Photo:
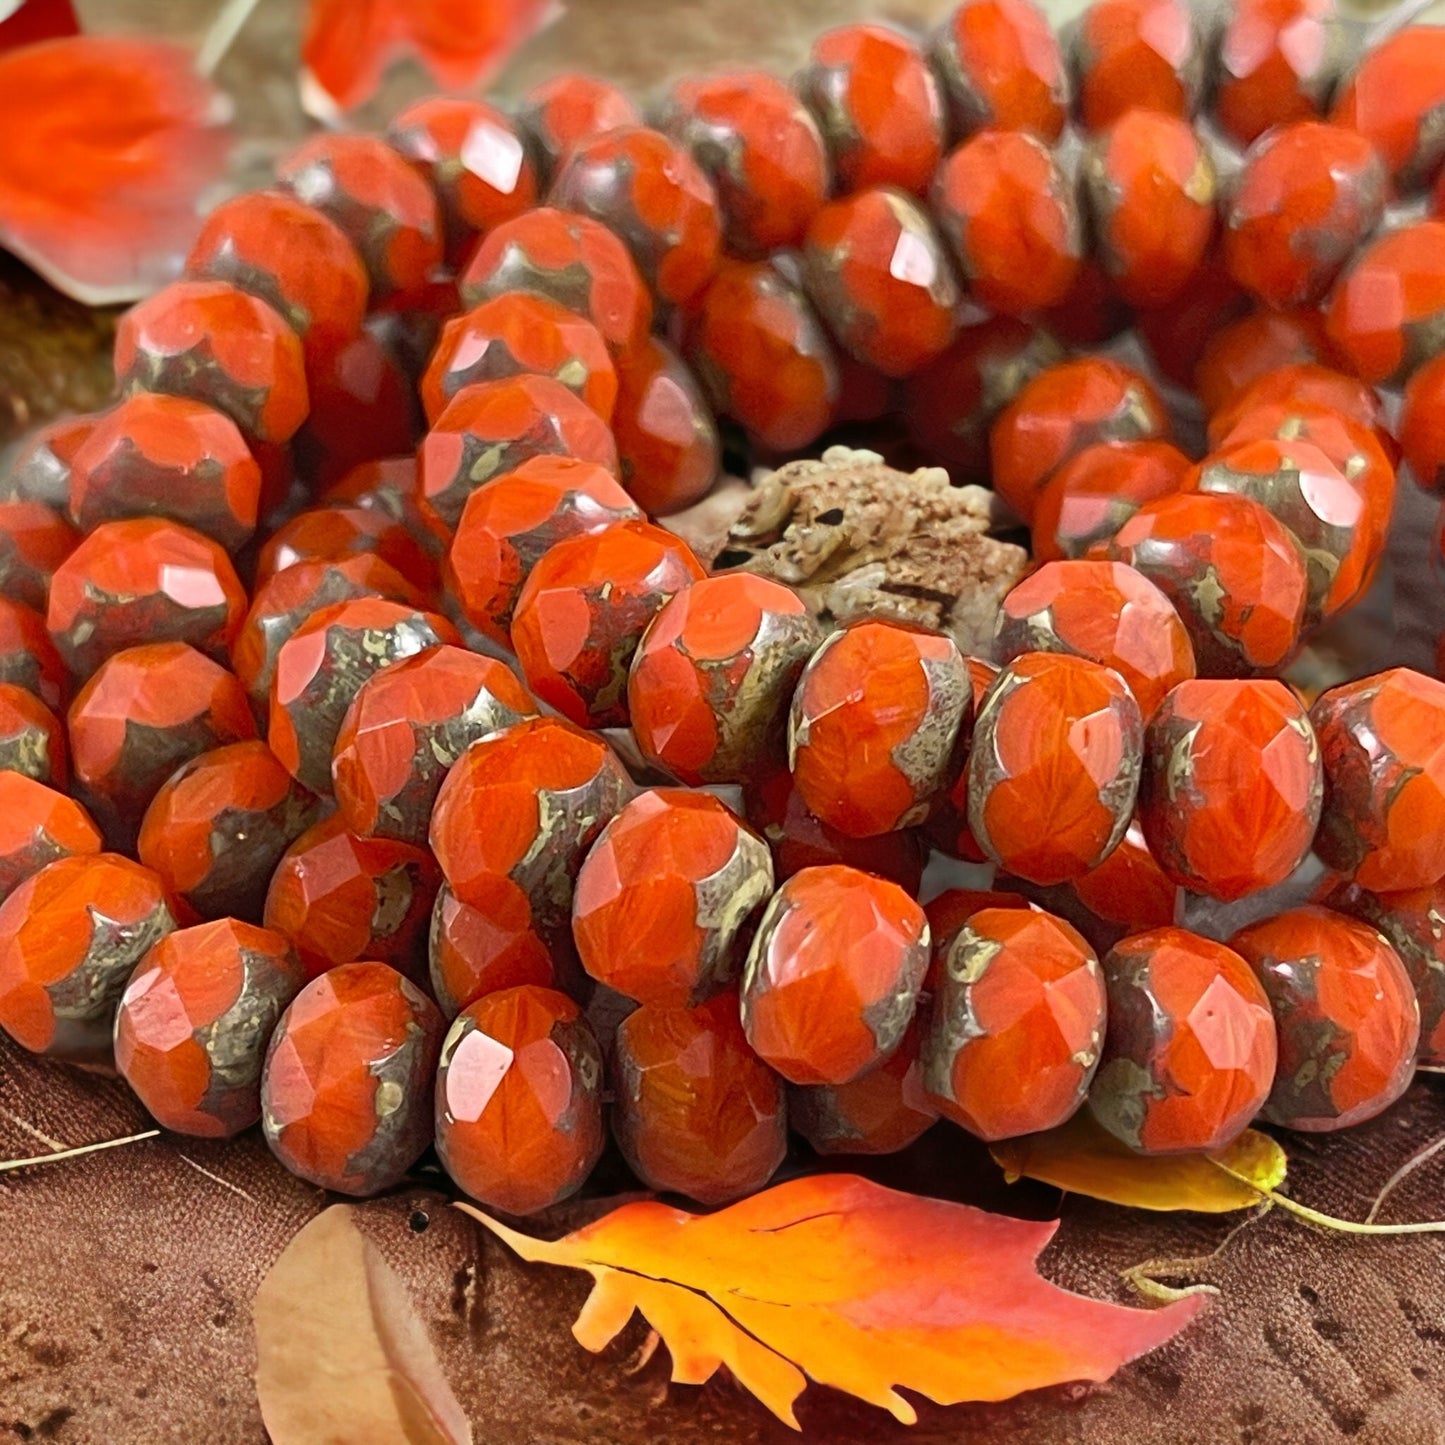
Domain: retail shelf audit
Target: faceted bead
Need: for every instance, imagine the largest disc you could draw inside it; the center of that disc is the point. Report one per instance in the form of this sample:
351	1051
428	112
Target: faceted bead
950	404
69	937
763	355
1421	427
34	540
28	658
388	486
476	160
1055	766
218	826
521	335
194	1022
799	839
1232	785
291	256
713	678
1189	1055
695	1111
1097	490
346	1093
572	260
1059	412
647	188
1396	100
879	106
667	441
1009	213
1106	612
41	469
877	270
331	533
1246	350
880	1113
583	609
405	728
1017	1024
339	898
493	427
761	149
1144	54
1382	741
473	951
1413	923
168	456
1308	195
833	974
946	827
1129	889
1277	62
32	739
519	1100
517	814
1307	391
1150	184
1234	573
875	724
666	896
1002	67
1177	333
143	580
1348	1020
295	595
212	342
37	826
146	711
572	108
1387	314
373	194
322	665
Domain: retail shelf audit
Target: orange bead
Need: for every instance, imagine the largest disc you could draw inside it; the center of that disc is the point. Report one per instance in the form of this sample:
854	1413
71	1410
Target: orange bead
1278	62
1129	889
1307	390
37	826
40	471
34	540
1422	425
1144	54
32	738
28	658
946	826
331	533
472	951
1395	99
571	108
1245	350
1177	333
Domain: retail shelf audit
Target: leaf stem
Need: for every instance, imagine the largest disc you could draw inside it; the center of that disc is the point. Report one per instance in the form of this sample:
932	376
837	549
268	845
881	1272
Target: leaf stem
1328	1221
6	1165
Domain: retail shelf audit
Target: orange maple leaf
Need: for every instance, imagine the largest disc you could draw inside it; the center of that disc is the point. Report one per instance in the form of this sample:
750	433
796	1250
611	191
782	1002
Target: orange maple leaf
839	1280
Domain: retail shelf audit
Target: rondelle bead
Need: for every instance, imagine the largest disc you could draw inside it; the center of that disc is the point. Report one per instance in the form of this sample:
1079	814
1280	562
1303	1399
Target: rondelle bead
1054	768
647	188
833	974
1190	1049
38	825
321	667
143	580
1129	891
34	540
572	108
875	724
695	1111
346	1094
1136	54
340	898
1176	334
881	1112
331	533
1017	1024
472	951
32	738
405	728
387	486
1421	426
28	658
194	1022
713	677
1277	61
70	935
946	826
1305	396
1233	571
887	314
387	211
218	826
1347	1017
1395	99
518	1100
1382	742
1002	67
1104	611
213	342
1246	350
518	812
146	711
879	106
1232	785
493	427
666	895
40	471
583	609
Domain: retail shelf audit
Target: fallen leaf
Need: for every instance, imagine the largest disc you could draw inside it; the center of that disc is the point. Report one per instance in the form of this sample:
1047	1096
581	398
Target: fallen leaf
1085	1158
836	1279
105	146
341	1354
